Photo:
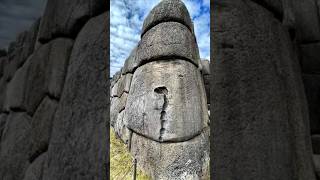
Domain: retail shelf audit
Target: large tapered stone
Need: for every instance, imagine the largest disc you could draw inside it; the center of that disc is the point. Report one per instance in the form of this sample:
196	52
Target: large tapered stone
168	10
169	39
167	101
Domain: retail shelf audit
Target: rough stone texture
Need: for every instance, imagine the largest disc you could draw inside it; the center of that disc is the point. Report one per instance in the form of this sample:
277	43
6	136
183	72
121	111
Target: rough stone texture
307	20
258	107
15	146
78	141
184	160
117	105
315	143
166	101
35	170
169	39
274	6
58	65
3	63
44	72
15	94
316	160
3	91
168	10
41	125
65	18
124	84
310	62
312	90
121	129
205	67
131	63
3	120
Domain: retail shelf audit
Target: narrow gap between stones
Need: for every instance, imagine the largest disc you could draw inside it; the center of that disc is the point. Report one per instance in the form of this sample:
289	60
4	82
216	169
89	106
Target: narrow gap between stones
164	20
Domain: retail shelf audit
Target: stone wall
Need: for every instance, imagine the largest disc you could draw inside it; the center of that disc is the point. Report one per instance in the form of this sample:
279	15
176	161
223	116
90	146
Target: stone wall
158	99
265	65
53	95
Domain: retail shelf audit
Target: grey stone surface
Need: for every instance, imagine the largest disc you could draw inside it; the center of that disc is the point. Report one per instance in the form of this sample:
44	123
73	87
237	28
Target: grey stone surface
167	101
65	18
205	67
124	84
307	20
274	6
3	92
168	10
35	170
117	105
15	94
315	143
310	62
41	125
132	62
316	160
169	39
15	146
120	127
78	143
3	63
258	107
58	65
312	90
184	160
3	120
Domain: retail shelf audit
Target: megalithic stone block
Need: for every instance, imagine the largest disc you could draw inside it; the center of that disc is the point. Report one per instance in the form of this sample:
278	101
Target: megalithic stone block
167	101
35	170
65	18
15	146
182	160
168	39
168	10
259	114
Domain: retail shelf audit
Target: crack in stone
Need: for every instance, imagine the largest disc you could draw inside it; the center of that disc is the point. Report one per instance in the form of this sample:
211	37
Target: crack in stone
163	91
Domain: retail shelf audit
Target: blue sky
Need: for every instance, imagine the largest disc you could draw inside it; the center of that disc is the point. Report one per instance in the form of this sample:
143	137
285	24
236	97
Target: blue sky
126	19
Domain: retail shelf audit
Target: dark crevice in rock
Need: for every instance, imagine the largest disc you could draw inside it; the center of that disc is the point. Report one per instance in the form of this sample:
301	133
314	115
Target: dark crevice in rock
309	42
17	109
163	91
173	141
169	19
40	151
130	139
276	14
164	58
51	97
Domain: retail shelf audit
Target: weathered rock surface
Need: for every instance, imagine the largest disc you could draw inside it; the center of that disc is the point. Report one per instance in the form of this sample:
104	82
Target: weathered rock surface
15	146
316	160
41	125
306	20
44	72
166	101
120	127
312	90
184	160
310	58
165	11
205	67
3	120
258	107
78	148
117	105
3	91
65	18
274	6
35	170
58	65
315	143
169	39
131	63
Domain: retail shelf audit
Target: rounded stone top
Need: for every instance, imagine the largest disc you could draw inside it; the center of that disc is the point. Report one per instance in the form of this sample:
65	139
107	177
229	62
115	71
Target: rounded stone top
167	10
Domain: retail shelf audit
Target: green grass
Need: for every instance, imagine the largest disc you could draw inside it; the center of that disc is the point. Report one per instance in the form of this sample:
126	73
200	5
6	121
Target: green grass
121	161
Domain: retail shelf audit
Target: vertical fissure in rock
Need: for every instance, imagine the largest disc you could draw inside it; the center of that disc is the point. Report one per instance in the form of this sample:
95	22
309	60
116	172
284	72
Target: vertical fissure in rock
163	91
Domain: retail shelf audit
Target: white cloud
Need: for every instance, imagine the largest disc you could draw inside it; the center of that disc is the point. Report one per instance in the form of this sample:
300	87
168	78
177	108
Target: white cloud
126	19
